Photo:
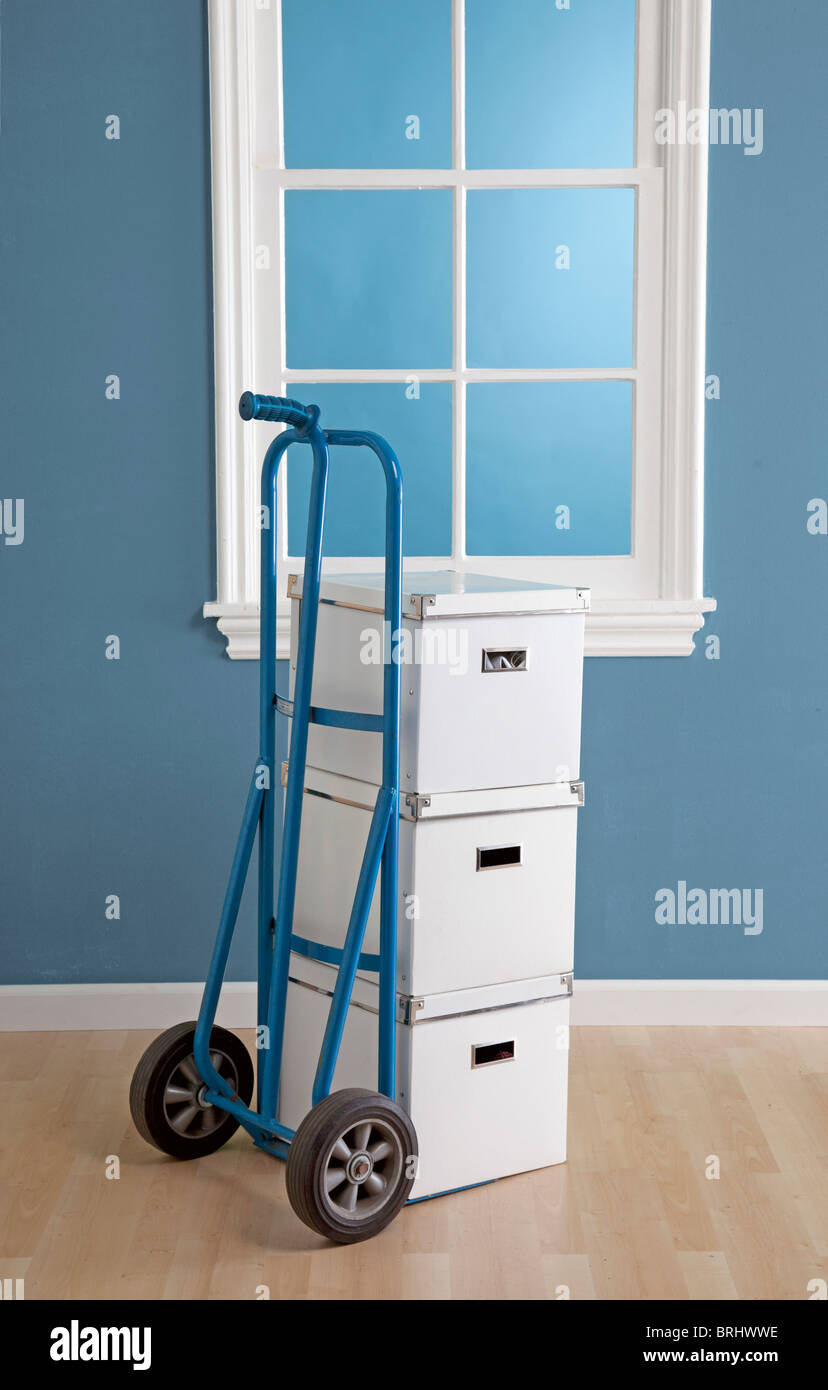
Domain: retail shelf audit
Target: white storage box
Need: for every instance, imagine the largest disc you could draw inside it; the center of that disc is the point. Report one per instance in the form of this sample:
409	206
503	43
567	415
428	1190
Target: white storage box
486	881
491	680
482	1073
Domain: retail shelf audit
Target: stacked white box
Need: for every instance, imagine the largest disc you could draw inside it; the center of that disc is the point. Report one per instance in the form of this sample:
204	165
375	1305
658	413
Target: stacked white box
461	923
469	718
475	1120
489	797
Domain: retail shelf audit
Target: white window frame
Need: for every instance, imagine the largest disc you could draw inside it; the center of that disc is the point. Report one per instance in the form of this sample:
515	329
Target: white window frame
648	603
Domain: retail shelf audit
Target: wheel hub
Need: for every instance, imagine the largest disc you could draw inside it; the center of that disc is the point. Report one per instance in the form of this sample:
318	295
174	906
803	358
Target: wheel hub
360	1166
362	1170
187	1110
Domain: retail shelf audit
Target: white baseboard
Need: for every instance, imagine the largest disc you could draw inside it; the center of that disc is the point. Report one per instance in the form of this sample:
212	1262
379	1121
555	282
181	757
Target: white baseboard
47	1008
713	1003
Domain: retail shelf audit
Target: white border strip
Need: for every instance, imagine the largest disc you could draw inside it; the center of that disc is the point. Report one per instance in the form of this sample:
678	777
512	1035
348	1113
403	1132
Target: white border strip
605	1003
643	627
711	1003
50	1008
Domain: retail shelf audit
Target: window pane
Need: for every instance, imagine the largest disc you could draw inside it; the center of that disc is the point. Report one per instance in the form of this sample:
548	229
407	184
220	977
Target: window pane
550	88
419	432
550	277
367	84
368	278
560	485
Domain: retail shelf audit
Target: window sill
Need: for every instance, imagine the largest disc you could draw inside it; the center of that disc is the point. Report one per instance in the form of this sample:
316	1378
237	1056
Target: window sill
614	627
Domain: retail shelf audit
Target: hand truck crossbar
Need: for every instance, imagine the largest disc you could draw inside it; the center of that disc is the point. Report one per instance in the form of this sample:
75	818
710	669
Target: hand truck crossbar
335	718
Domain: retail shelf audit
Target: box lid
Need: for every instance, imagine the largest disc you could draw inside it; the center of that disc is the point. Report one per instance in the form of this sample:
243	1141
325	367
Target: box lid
412	1009
449	593
541	796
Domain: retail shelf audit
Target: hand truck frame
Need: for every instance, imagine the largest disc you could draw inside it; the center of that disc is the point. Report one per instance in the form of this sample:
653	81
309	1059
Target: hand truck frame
365	1136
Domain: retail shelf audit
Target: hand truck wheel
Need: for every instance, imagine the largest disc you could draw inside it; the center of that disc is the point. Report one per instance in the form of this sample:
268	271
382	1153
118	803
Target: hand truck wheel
166	1095
351	1165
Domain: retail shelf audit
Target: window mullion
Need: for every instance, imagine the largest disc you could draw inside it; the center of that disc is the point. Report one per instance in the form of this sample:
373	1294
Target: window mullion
281	520
458	487
458	490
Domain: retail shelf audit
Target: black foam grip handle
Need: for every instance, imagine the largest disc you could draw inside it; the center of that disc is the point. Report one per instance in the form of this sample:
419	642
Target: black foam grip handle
277	409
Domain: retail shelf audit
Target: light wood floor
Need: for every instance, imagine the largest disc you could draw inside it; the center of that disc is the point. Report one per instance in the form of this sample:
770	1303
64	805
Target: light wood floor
630	1215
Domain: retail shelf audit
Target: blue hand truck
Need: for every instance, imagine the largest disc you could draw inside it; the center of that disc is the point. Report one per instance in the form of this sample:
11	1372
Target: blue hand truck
352	1161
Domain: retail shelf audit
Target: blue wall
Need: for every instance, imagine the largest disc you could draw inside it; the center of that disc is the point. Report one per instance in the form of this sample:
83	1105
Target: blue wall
125	776
129	776
716	772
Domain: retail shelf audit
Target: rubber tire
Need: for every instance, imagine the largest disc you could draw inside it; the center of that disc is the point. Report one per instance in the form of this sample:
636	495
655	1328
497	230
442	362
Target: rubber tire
146	1093
309	1147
